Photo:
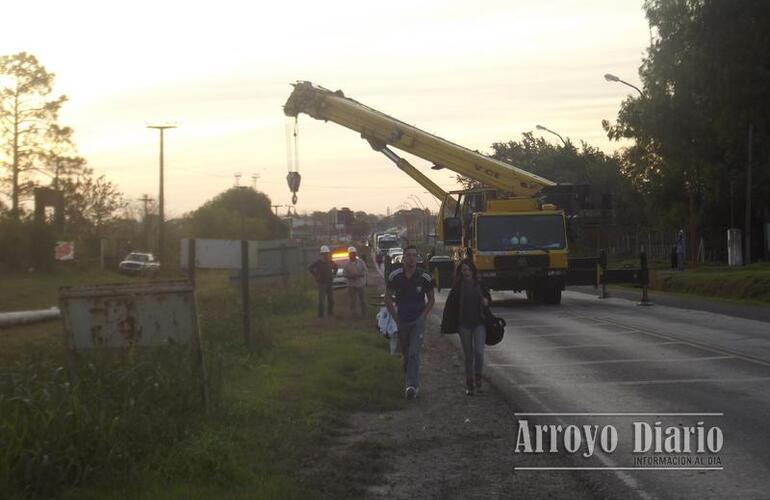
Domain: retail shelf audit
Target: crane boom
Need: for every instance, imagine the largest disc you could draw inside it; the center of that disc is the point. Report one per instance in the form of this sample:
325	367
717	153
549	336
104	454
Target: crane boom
381	130
415	174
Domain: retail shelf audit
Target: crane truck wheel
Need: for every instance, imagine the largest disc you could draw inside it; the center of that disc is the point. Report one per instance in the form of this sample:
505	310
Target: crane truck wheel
552	295
535	295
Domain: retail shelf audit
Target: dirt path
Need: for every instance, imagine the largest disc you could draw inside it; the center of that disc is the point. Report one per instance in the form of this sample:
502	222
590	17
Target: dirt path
443	445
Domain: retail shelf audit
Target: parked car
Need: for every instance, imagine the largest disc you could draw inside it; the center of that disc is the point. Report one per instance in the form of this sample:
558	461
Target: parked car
139	263
384	244
340	257
398	261
392	252
389	262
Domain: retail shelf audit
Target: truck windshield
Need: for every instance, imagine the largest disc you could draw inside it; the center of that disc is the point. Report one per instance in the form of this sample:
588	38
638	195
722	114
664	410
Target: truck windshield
520	232
386	244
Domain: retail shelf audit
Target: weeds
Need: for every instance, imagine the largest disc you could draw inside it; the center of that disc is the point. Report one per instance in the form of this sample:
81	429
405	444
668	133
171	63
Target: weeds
134	426
59	434
126	405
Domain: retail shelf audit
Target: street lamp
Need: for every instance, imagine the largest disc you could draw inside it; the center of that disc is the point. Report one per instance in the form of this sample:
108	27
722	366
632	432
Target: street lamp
160	128
612	78
540	127
418	200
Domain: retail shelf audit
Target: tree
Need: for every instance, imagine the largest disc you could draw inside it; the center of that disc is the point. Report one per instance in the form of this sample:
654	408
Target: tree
60	155
26	116
570	165
706	79
90	202
237	213
360	228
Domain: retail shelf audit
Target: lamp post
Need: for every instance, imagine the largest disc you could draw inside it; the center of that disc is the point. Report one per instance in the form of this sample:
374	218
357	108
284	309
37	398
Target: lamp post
540	127
418	200
161	129
612	78
426	215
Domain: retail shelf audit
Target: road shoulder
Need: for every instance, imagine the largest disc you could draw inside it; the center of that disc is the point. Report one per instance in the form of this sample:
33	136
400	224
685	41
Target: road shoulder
442	445
682	301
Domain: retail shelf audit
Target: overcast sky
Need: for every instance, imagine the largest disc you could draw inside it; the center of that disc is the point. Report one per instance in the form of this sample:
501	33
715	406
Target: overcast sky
221	71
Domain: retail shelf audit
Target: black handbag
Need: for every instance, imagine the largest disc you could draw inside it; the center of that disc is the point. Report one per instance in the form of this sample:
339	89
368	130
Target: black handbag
495	328
451	316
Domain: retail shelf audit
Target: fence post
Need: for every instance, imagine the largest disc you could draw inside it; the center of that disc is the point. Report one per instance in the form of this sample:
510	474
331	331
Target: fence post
199	363
191	259
102	242
284	266
245	293
645	279
603	265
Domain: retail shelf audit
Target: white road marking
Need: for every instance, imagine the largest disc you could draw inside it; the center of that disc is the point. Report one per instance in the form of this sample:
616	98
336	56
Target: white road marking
698	345
571	334
613	361
623	414
581	346
660	382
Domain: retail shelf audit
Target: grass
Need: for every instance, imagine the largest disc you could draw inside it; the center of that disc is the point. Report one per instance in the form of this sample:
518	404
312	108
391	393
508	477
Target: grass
25	291
135	428
749	283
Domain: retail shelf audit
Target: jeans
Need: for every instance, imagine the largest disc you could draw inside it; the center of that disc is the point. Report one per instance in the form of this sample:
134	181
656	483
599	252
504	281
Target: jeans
473	341
680	257
357	297
325	300
410	340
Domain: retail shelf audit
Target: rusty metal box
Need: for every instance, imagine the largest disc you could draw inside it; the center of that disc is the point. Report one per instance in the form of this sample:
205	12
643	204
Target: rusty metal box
129	314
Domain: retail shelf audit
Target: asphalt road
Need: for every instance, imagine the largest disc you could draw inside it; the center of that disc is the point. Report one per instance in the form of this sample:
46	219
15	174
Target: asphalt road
639	368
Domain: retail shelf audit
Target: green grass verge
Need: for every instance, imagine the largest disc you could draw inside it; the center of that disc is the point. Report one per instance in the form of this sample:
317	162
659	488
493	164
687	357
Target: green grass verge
25	291
749	283
135	428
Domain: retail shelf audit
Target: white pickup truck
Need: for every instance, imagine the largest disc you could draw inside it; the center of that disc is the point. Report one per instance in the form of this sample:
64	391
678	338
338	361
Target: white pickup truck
139	263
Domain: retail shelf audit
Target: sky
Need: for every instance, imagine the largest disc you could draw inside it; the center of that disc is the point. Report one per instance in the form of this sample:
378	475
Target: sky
474	73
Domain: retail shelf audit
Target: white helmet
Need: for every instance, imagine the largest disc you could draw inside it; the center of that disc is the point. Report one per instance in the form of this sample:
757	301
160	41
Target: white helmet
352	250
324	249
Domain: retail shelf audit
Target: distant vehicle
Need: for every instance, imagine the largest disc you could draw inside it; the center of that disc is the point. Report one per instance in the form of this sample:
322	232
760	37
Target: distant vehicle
384	244
139	263
392	252
397	260
340	257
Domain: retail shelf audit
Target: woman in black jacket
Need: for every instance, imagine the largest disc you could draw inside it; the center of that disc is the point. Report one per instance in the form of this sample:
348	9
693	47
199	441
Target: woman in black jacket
464	314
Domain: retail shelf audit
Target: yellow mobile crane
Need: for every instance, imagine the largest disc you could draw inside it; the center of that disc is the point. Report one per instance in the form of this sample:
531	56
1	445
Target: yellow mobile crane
517	241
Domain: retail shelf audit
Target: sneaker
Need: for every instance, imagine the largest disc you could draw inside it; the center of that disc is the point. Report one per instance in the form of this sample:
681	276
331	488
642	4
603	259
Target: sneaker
411	392
469	391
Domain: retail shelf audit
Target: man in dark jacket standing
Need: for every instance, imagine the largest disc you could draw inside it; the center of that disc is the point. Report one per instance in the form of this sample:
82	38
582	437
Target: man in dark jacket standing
324	270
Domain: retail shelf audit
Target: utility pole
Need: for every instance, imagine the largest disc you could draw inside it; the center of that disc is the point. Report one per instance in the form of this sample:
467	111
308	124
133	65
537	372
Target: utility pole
146	199
276	207
747	236
161	129
240	203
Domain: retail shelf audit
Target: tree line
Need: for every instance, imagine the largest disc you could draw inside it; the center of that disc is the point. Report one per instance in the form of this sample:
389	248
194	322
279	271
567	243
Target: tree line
699	128
699	154
701	122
